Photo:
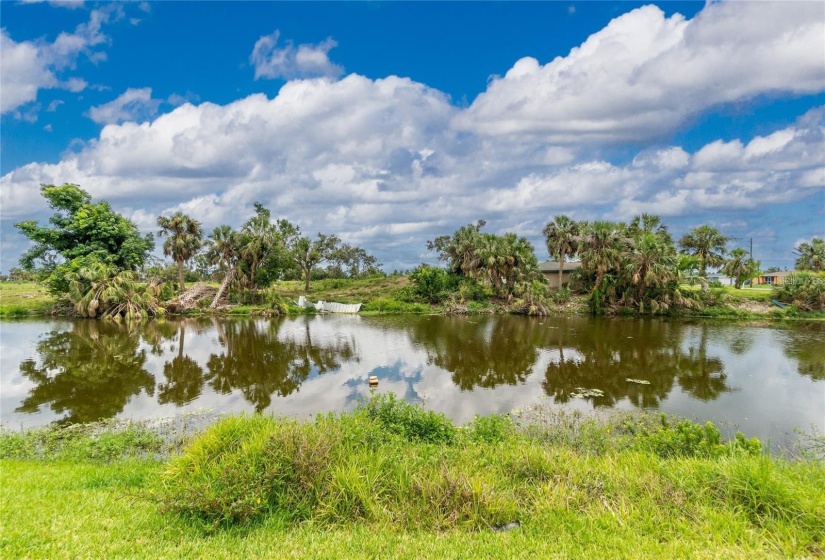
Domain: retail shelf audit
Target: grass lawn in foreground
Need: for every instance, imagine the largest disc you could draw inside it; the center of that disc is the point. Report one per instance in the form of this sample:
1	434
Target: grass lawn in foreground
393	481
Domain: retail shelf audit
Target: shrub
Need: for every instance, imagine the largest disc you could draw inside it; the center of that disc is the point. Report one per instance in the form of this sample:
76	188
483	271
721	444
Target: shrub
276	303
686	439
805	290
410	421
432	284
561	296
491	429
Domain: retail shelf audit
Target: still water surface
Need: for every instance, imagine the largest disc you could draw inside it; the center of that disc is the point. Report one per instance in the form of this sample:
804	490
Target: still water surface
764	381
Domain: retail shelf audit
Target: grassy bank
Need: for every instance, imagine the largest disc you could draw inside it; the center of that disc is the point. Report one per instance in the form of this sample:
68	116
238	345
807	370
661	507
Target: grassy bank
392	480
386	296
18	299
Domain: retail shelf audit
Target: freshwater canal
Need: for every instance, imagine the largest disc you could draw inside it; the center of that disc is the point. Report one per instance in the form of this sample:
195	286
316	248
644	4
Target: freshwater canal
763	380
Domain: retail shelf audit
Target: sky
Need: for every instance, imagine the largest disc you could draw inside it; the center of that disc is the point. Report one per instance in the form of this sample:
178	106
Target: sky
390	123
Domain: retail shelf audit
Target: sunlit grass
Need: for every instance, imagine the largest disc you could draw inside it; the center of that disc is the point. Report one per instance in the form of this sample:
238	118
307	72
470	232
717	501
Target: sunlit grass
394	481
23	298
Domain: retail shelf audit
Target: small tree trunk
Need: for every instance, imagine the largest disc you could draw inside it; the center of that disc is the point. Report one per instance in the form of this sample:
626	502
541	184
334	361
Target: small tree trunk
227	279
306	280
180	276
561	269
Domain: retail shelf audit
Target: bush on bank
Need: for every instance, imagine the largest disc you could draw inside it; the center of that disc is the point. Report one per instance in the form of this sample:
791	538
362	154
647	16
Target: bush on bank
395	464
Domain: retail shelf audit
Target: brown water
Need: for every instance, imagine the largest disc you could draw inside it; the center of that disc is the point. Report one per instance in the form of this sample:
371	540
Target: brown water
764	381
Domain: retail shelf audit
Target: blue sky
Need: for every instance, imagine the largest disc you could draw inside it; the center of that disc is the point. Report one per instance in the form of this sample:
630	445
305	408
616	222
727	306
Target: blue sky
391	123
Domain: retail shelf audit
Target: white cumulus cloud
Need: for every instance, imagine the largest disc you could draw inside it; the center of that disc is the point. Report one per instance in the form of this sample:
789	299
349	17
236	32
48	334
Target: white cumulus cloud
645	74
135	104
377	162
289	61
26	67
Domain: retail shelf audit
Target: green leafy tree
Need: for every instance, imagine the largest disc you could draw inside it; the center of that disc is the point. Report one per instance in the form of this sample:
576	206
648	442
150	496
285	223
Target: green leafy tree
708	244
279	262
688	267
740	266
562	236
352	261
80	229
310	253
431	283
184	239
811	256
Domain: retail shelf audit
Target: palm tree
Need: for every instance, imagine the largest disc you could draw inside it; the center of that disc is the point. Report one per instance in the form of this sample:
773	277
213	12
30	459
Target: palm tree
740	267
562	235
259	237
460	250
184	239
708	244
811	255
102	289
601	249
649	223
223	249
651	271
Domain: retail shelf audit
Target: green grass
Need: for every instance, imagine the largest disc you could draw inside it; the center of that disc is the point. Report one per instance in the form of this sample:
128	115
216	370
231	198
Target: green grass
391	480
19	299
343	290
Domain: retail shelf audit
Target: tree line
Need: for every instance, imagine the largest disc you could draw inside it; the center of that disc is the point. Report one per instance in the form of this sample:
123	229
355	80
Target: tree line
637	265
100	261
94	255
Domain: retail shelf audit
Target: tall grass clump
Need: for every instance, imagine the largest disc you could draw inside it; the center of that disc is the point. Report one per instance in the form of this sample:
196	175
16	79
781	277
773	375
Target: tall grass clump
397	467
388	461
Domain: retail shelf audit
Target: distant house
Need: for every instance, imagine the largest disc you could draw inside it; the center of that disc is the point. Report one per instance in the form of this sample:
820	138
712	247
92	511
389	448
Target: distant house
550	269
772	278
721	278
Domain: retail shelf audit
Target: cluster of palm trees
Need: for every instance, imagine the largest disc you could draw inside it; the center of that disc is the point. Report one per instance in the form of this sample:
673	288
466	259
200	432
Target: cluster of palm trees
637	264
260	251
506	262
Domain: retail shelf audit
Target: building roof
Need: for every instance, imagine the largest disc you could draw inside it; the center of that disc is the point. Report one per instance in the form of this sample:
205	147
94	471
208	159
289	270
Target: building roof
778	274
553	266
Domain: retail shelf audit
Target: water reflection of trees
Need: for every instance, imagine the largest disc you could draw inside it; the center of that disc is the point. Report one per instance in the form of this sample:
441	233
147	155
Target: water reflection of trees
479	351
184	376
89	372
259	364
584	354
806	346
604	354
